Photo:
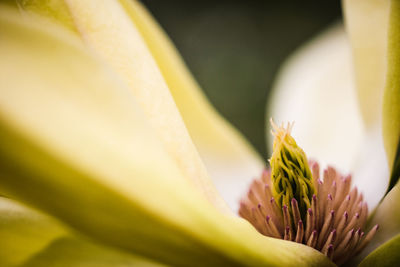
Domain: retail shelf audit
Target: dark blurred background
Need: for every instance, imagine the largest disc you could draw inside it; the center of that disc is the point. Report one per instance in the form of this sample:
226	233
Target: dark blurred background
234	48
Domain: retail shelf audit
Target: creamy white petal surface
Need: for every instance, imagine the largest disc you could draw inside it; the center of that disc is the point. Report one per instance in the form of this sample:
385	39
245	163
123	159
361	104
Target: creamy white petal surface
316	90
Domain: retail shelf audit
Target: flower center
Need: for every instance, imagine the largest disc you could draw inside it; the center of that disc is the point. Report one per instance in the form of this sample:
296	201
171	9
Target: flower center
290	202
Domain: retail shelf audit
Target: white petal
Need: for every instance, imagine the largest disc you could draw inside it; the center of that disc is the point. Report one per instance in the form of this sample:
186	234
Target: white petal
316	90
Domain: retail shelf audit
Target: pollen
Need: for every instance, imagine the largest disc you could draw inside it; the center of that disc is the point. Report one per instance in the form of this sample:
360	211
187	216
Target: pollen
290	201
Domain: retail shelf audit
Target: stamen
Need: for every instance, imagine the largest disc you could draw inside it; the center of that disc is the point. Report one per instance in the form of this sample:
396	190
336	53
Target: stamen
273	228
310	225
300	232
353	196
295	211
328	206
342	245
277	214
286	217
329	252
352	222
364	214
368	238
315	172
262	210
329	241
342	222
333	190
325	228
267	192
315	210
312	241
342	208
288	233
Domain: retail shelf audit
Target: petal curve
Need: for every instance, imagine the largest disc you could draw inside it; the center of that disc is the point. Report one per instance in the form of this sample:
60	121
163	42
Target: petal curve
75	145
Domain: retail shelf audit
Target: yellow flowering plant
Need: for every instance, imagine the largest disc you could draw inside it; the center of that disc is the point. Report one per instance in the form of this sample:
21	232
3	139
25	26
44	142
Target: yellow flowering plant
108	146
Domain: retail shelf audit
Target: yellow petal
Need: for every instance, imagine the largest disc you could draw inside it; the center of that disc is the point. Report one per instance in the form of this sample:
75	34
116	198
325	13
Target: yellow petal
29	238
229	158
367	27
117	41
75	145
373	29
70	251
391	98
55	11
388	213
23	233
386	255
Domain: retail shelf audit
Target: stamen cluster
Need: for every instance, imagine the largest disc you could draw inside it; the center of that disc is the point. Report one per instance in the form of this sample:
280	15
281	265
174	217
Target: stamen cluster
334	223
291	202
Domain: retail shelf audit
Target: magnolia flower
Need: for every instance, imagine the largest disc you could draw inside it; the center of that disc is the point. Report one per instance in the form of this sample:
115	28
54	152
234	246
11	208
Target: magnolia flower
107	146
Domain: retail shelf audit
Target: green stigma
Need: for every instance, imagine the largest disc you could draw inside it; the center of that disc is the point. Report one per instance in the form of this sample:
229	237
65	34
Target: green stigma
290	173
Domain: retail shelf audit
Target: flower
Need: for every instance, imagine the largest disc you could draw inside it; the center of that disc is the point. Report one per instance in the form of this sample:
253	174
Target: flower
92	137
